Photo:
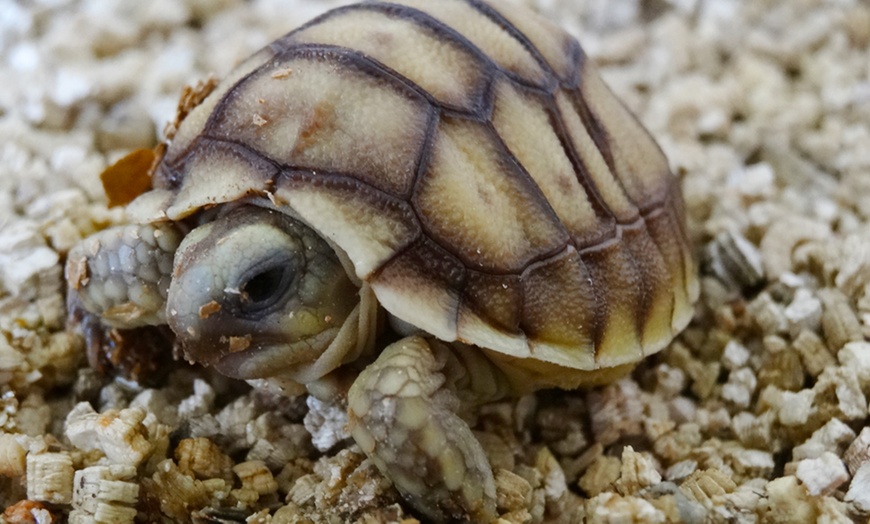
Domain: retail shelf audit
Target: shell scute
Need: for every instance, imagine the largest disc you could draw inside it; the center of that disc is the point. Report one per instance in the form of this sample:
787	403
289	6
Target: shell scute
525	124
563	310
338	204
474	199
497	42
318	110
408	42
428	275
220	172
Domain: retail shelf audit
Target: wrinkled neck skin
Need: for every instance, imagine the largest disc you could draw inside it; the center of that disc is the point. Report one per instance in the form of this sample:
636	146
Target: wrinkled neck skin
260	296
323	378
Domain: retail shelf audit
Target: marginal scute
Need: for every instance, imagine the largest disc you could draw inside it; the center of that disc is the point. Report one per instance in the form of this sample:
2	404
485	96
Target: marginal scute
562	312
663	226
407	47
654	310
495	42
220	172
475	200
496	298
616	274
321	111
337	206
420	286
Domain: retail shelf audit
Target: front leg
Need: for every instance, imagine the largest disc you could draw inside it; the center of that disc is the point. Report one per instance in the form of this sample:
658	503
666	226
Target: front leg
121	275
403	412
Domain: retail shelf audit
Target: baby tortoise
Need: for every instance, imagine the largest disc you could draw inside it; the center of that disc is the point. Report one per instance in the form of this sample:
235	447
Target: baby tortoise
456	168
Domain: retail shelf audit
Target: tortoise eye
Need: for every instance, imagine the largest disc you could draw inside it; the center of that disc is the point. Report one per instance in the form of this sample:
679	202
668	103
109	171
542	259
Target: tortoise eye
266	289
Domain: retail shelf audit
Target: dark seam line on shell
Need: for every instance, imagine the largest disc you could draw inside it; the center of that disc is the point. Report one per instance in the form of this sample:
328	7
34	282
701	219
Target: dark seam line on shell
581	172
528	183
671	280
602	138
501	21
430	22
598	135
578	59
365	64
439	30
425	153
641	307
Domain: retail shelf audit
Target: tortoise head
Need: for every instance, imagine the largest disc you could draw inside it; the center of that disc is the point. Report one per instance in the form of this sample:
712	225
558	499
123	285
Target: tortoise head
256	292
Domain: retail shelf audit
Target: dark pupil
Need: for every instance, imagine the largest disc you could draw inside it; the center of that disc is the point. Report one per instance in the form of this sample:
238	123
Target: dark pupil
263	286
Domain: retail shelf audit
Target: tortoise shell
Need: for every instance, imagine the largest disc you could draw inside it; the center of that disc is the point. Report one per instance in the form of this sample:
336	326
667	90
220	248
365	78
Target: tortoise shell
469	162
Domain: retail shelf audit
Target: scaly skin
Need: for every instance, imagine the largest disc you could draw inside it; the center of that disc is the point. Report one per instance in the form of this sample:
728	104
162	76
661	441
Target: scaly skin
122	274
403	414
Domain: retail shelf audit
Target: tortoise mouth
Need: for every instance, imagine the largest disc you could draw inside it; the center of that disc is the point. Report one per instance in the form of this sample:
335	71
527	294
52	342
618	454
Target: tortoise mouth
265	359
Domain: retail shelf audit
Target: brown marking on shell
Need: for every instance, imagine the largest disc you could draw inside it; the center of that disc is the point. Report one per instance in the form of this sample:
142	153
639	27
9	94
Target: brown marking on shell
511	202
333	114
322	121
